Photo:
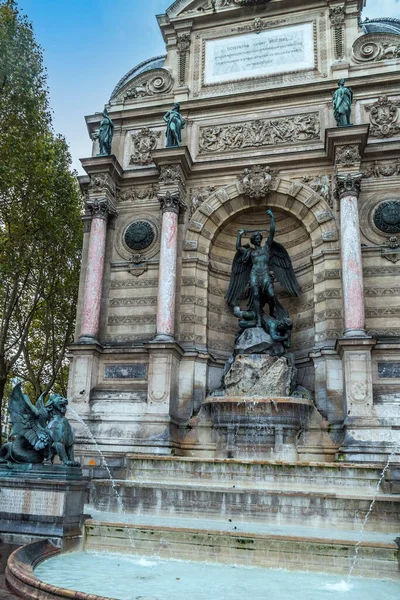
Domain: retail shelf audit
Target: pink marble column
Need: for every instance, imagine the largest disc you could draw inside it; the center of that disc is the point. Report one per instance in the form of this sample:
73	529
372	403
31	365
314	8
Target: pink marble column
167	270
352	272
94	271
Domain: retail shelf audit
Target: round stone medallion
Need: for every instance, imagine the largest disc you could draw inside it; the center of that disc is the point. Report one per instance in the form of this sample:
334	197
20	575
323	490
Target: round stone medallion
387	216
139	235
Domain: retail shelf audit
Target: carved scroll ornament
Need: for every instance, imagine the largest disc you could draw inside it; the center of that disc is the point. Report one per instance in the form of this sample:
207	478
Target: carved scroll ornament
257	181
143	143
376	46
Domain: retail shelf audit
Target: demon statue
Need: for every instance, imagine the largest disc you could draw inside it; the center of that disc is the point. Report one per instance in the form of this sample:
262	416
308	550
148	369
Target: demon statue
253	274
39	432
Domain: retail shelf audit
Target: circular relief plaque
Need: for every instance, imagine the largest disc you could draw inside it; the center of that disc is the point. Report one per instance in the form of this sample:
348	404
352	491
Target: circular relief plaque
139	235
387	216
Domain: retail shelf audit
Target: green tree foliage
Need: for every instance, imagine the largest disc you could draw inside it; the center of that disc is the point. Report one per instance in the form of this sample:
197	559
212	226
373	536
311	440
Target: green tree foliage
40	225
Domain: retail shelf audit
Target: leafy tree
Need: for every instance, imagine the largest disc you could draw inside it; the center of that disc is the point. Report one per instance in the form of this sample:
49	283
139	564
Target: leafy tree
40	226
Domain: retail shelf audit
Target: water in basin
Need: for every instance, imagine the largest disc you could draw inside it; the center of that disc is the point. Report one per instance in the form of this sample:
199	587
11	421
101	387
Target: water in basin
134	578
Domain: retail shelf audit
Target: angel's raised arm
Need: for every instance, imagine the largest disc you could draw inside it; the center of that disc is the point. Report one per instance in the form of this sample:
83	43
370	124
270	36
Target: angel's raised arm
270	237
239	247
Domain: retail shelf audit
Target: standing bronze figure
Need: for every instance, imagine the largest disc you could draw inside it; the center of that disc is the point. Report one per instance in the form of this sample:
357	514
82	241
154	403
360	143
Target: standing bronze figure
104	134
175	124
342	101
253	272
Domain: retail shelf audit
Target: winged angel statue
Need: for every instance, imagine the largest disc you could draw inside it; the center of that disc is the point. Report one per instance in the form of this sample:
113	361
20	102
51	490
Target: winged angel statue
39	432
253	274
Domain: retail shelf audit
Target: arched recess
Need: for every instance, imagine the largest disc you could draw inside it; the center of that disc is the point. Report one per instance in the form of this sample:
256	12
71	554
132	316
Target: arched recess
291	200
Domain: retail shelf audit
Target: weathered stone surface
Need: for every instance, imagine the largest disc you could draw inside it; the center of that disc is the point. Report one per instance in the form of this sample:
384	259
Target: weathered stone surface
253	341
260	375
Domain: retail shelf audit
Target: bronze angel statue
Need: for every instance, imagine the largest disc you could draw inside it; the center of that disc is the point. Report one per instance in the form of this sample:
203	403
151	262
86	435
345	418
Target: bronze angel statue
39	432
253	274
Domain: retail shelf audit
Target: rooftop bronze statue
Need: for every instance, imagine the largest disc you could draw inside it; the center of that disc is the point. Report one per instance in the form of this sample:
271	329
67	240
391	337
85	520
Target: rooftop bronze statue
104	134
253	272
342	101
39	432
175	123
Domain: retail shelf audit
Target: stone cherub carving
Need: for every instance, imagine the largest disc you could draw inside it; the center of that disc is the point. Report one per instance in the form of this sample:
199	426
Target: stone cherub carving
39	432
175	123
252	276
342	101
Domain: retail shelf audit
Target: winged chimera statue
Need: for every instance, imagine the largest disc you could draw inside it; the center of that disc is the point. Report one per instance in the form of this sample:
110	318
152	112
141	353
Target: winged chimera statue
252	278
38	432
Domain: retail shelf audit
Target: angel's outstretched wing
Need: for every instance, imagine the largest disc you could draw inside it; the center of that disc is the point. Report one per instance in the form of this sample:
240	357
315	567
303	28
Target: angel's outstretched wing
283	270
25	419
241	267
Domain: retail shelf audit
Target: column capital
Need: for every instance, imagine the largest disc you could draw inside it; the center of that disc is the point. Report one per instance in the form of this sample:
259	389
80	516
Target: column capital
172	202
348	184
100	208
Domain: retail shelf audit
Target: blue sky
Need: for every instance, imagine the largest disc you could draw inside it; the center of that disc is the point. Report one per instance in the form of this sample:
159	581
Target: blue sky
90	44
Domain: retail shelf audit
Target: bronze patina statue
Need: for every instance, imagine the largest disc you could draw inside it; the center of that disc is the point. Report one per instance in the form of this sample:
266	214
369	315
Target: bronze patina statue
104	134
253	272
175	124
39	432
342	101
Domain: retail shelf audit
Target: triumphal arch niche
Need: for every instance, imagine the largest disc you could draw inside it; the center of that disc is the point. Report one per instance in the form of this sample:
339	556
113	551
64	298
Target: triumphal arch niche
246	90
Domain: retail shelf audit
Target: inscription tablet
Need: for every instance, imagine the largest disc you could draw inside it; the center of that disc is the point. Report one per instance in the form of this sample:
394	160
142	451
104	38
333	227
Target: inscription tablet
280	50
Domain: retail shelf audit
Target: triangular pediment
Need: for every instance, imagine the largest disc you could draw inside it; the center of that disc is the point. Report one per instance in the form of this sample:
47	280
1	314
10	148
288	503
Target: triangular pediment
193	8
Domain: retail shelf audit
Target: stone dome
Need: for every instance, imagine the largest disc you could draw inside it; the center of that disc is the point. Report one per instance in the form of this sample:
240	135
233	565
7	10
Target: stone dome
156	62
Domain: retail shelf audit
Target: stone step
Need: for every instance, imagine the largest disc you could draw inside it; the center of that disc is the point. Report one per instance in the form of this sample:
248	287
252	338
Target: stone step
270	505
331	476
375	559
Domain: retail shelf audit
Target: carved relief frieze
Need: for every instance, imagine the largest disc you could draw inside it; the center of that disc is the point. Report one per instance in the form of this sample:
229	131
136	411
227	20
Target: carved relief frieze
118	284
376	46
259	133
131	319
384	117
136	194
257	181
171	174
143	143
379	169
101	183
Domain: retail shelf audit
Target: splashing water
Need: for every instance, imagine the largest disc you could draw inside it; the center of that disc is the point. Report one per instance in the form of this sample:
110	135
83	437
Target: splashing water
357	546
104	464
341	586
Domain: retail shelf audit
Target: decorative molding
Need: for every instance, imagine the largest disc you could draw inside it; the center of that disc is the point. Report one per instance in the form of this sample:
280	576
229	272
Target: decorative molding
131	319
117	284
183	45
384	117
171	174
373	47
172	202
347	156
143	143
100	208
387	216
259	133
391	249
141	301
257	181
337	17
378	170
348	184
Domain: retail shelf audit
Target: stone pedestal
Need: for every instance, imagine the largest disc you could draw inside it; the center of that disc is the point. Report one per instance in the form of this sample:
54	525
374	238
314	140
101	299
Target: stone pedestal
41	501
254	375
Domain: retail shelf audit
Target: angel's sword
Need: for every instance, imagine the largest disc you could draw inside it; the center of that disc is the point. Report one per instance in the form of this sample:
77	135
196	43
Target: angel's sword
256	230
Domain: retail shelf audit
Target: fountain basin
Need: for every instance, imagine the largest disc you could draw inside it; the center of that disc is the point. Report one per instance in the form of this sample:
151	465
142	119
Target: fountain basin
99	576
259	427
